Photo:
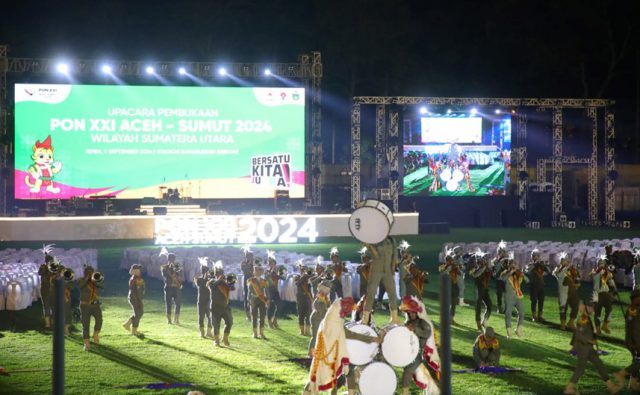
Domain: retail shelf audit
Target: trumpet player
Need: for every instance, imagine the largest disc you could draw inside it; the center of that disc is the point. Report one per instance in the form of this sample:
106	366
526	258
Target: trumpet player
137	289
259	299
319	275
536	270
452	269
172	275
338	267
247	271
513	278
414	279
220	288
572	282
364	270
304	300
481	272
604	289
47	273
560	272
499	264
274	275
458	256
204	298
90	286
405	260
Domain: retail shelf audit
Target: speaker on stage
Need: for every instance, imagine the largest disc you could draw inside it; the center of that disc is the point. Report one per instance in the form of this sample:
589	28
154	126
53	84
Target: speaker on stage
159	211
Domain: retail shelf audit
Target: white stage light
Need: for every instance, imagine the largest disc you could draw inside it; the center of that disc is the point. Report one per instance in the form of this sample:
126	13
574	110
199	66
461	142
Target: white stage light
222	71
498	111
423	110
62	68
267	72
106	69
449	111
182	71
149	70
474	111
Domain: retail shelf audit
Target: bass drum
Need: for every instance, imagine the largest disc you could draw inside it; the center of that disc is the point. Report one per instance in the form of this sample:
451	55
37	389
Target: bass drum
371	221
376	378
400	346
361	353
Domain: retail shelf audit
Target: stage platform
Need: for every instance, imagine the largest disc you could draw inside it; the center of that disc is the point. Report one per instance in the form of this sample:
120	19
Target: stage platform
206	229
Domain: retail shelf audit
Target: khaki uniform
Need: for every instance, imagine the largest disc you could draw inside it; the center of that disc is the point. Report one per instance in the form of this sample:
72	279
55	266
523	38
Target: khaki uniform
537	271
383	267
273	280
303	299
89	306
172	289
486	352
45	289
136	295
204	302
583	342
258	298
320	306
573	299
632	339
422	329
482	275
220	309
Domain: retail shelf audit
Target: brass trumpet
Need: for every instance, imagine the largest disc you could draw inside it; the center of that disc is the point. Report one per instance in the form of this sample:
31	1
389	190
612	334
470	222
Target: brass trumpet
231	280
53	267
68	274
97	277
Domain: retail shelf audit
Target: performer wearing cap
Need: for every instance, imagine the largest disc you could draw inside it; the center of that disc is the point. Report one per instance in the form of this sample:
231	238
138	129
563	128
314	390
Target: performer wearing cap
46	276
583	342
536	270
405	260
274	275
172	275
632	341
136	295
604	289
452	269
499	265
220	288
418	322
204	298
458	256
363	270
247	271
572	282
90	287
320	305
559	272
259	300
304	299
414	279
486	349
513	278
481	272
383	266
338	267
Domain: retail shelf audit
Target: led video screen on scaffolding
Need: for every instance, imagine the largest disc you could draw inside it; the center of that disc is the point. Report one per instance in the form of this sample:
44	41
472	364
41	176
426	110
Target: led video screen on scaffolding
457	154
136	141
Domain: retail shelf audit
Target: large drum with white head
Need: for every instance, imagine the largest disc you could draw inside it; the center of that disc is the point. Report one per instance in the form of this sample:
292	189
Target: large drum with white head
371	221
361	353
376	378
400	346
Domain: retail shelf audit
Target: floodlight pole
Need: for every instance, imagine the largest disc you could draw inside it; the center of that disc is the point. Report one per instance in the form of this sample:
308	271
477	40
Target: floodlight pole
58	338
445	334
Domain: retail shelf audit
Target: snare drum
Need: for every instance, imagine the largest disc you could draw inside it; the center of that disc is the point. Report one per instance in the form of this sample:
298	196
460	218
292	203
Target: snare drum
400	346
371	221
376	378
361	353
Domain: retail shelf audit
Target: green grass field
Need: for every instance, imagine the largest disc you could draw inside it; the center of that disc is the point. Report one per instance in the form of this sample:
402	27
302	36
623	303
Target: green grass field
122	364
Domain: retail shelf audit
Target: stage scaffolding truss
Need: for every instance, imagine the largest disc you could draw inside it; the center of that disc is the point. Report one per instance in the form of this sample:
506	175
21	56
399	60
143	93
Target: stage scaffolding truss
307	71
388	145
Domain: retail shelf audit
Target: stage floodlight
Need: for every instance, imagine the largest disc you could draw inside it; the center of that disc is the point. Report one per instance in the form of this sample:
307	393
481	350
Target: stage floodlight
449	111
423	110
498	111
149	70
62	68
222	71
474	111
267	72
106	69
182	71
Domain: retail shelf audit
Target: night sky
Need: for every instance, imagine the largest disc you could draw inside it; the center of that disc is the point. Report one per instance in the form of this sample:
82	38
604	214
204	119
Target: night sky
508	48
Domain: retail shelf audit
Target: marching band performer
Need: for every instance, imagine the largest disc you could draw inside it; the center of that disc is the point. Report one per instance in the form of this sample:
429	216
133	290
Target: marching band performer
604	289
259	300
513	278
90	286
583	342
136	295
414	279
481	272
320	306
499	265
559	272
338	267
632	341
47	274
572	282
363	270
451	267
418	322
405	259
274	275
247	271
220	288
636	268
319	275
304	300
204	298
383	267
486	349
458	256
536	270
172	275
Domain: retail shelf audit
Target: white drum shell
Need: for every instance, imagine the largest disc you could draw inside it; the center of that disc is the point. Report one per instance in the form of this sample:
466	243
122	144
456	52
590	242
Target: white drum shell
371	222
400	346
361	353
377	378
